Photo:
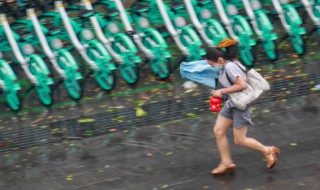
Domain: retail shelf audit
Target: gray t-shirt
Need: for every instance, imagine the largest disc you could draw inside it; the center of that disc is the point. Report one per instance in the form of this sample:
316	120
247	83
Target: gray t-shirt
233	70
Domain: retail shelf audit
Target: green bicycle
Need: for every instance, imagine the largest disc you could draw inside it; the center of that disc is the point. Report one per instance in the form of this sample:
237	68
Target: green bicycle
148	38
48	42
119	44
82	38
173	17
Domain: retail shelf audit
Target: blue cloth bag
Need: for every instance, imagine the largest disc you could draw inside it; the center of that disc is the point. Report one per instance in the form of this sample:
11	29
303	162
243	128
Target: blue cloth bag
200	72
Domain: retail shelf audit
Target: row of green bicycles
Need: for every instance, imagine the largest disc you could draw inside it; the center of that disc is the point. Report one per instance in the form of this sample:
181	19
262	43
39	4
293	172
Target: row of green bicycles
108	37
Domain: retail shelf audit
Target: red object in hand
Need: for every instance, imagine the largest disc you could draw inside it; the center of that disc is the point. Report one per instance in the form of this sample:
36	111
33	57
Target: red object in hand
215	104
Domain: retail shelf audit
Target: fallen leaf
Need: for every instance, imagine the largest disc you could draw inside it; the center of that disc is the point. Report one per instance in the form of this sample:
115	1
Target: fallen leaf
69	178
191	115
88	120
140	112
169	153
293	144
289	77
164	186
112	130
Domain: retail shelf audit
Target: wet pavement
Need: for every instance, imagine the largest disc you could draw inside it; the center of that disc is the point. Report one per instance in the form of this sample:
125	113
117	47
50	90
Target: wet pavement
177	154
157	135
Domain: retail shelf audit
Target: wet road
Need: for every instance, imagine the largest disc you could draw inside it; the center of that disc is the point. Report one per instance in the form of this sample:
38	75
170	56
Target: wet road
177	154
157	135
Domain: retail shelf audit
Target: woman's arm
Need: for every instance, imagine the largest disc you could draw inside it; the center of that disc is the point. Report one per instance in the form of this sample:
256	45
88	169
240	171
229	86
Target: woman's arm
239	84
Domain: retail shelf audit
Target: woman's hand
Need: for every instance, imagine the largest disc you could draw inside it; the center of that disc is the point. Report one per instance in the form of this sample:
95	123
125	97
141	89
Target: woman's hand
218	93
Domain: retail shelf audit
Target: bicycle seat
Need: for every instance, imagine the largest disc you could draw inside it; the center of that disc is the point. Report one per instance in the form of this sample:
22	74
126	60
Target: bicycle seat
142	9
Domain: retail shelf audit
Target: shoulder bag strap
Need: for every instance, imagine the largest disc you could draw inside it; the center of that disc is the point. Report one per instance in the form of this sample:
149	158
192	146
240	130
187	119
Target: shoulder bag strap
237	63
239	67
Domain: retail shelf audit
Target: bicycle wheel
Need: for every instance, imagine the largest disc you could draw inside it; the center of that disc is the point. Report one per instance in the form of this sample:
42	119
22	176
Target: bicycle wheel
298	44
161	67
128	69
192	42
104	76
106	80
294	20
67	62
160	64
316	10
164	69
130	73
270	49
41	72
247	55
12	87
13	100
215	31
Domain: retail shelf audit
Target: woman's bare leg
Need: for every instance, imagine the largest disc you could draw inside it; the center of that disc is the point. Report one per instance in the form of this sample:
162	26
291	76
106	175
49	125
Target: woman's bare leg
269	152
220	129
240	138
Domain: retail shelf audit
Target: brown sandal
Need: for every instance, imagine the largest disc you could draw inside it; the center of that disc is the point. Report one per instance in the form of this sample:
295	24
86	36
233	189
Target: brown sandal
271	156
223	169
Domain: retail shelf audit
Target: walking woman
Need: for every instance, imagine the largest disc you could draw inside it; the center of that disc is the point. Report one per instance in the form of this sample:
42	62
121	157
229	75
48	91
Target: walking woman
233	79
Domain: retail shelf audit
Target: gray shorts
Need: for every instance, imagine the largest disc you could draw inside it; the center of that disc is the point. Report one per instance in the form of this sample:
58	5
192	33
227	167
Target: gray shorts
241	118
